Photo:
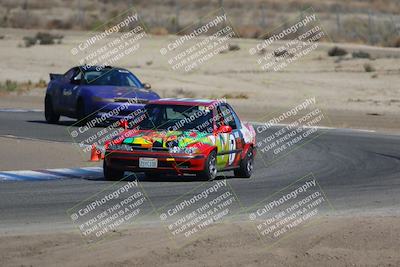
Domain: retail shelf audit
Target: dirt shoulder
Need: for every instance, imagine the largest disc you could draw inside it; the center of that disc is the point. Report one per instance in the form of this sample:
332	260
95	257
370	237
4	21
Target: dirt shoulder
17	154
333	241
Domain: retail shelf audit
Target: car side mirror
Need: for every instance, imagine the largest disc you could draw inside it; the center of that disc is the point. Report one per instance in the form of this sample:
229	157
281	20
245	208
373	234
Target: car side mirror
123	124
146	86
224	129
76	80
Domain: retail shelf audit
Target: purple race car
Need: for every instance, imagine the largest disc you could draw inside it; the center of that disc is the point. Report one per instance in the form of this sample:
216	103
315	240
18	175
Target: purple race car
85	93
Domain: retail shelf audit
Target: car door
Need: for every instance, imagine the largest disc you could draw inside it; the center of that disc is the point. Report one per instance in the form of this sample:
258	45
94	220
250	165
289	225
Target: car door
231	143
74	86
236	139
70	90
58	91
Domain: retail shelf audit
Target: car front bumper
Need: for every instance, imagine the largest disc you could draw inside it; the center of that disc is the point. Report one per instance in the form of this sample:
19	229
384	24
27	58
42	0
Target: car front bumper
129	161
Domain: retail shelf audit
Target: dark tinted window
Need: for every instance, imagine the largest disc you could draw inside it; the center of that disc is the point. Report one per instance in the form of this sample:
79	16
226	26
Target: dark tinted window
228	117
177	118
113	77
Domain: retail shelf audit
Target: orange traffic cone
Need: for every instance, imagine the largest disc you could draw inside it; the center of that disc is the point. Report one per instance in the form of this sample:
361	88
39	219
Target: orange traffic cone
95	154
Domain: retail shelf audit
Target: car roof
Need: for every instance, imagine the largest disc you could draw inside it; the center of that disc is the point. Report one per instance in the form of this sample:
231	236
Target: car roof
92	68
185	101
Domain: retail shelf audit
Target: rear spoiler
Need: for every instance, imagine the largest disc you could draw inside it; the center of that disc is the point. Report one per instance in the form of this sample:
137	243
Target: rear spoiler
54	76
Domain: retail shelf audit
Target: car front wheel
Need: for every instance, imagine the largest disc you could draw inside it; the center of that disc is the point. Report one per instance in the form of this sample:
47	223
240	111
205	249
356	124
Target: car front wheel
49	113
245	169
111	174
210	167
82	116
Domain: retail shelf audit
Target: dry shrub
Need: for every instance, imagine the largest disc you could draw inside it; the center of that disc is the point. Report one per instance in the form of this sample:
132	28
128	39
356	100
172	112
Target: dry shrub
280	52
10	86
233	47
395	42
41	84
235	96
29	41
368	67
336	51
249	31
45	38
360	54
59	24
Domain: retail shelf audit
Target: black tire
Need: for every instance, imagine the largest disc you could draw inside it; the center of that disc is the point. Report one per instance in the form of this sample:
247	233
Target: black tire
50	115
246	165
112	174
210	167
81	116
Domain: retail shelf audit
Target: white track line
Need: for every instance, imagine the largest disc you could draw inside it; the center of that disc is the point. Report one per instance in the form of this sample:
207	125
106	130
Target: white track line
313	127
52	174
19	110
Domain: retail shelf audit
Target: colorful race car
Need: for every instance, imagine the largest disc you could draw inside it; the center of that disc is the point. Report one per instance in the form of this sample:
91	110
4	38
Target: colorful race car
85	93
182	136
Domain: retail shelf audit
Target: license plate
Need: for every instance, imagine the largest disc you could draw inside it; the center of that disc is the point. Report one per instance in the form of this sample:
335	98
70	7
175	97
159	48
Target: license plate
148	163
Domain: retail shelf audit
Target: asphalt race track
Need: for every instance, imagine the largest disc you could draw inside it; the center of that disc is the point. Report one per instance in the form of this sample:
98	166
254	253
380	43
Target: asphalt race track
358	171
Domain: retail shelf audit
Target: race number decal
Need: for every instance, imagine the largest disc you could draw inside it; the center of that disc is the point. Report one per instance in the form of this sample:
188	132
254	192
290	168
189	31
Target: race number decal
232	146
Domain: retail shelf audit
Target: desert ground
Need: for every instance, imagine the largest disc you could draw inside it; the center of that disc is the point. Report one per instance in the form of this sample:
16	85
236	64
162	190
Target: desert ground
334	241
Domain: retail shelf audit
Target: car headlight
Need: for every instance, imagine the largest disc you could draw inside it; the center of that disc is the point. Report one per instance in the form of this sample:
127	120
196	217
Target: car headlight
183	150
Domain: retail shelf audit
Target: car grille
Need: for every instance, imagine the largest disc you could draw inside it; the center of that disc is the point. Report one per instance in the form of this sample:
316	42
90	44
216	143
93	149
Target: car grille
162	164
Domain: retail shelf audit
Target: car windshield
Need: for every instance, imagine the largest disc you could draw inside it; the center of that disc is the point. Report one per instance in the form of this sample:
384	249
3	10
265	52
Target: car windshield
114	77
177	118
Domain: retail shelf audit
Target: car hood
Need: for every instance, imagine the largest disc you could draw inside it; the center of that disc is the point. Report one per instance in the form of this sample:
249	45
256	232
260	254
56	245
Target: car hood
106	91
165	139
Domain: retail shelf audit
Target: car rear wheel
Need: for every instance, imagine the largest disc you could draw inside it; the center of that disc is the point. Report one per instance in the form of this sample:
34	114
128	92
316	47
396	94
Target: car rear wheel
81	113
111	174
210	168
246	167
49	113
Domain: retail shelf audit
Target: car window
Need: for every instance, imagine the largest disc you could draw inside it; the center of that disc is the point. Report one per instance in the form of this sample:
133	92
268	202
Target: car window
228	117
235	117
219	118
69	74
177	118
115	77
181	112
